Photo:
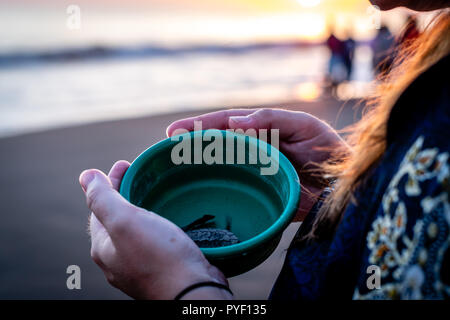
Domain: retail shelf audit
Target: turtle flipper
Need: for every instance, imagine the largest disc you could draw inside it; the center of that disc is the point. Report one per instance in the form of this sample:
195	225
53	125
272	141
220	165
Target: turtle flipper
199	223
228	226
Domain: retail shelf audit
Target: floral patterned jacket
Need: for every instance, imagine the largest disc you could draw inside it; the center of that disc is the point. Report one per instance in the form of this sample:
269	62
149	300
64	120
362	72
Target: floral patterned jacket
394	244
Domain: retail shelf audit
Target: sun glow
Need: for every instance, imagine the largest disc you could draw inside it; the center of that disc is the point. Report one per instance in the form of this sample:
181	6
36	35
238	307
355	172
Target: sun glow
303	26
307	91
311	26
308	3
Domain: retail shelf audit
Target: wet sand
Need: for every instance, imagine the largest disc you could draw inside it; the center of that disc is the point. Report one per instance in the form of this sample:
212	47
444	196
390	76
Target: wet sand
44	216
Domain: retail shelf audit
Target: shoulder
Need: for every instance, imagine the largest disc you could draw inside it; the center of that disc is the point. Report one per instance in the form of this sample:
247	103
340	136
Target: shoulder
424	105
409	238
408	234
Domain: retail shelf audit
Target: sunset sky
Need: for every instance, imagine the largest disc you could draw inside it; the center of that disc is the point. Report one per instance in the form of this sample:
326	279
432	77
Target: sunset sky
42	22
252	5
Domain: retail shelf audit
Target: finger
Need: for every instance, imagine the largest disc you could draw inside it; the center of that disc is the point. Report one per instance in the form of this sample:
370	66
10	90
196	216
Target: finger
102	246
297	125
97	231
117	172
213	120
94	225
110	208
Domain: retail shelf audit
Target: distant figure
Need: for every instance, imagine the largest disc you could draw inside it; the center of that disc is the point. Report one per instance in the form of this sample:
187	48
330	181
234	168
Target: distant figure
382	47
349	53
336	66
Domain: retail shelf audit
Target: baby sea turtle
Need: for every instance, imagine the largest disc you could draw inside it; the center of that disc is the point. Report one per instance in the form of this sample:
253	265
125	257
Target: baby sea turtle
203	232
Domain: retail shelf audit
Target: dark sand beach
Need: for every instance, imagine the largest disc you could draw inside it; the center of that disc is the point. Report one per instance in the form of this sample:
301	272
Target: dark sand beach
44	215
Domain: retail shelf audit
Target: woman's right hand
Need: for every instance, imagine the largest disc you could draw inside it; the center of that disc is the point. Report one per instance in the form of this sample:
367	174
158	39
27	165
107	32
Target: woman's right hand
304	139
141	253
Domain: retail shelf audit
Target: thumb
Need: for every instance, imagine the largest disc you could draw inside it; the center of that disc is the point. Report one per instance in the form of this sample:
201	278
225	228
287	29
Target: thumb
110	208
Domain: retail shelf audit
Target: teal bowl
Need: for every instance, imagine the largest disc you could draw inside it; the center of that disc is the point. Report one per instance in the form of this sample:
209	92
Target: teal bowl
223	174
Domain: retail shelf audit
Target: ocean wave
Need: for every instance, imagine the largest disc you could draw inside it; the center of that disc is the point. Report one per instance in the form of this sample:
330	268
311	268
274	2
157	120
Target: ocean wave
147	51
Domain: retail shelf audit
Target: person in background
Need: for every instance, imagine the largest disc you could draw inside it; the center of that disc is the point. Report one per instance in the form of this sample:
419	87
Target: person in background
383	46
377	205
337	63
349	55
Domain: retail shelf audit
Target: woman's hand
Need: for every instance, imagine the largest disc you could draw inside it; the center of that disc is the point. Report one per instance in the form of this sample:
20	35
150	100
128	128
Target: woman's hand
304	139
141	253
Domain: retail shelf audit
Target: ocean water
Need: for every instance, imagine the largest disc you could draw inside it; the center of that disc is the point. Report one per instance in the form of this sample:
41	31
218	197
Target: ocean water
60	88
134	60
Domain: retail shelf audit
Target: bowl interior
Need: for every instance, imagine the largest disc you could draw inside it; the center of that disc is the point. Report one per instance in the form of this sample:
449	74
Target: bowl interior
240	198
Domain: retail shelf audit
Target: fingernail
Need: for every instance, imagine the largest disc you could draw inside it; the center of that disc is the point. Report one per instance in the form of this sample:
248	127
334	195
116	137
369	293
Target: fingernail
86	178
240	119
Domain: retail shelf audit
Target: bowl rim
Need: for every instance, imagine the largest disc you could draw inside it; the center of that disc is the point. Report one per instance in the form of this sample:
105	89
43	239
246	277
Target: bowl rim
243	247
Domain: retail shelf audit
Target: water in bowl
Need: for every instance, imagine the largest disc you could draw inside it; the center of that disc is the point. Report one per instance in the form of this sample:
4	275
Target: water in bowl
239	199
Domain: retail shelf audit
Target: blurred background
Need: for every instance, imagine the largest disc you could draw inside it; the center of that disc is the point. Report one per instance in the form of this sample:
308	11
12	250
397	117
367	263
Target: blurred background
86	82
128	58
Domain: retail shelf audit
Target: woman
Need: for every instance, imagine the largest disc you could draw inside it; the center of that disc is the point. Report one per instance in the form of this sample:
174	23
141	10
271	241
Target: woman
381	229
